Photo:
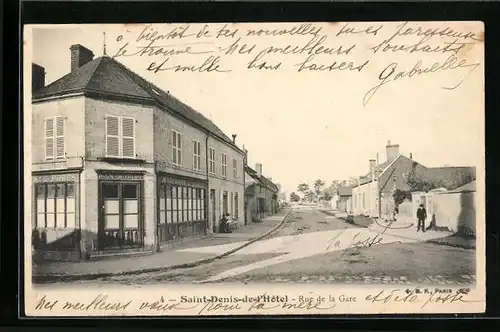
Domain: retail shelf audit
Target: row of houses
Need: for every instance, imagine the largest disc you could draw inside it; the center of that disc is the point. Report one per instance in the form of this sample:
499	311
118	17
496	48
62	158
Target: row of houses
120	165
371	194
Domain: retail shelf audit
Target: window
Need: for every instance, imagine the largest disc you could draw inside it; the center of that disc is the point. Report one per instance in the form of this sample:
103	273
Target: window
224	164
235	168
176	148
120	137
196	155
55	205
181	204
212	160
54	138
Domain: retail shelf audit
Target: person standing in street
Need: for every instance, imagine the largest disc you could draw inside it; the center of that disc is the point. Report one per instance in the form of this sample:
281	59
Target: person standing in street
421	216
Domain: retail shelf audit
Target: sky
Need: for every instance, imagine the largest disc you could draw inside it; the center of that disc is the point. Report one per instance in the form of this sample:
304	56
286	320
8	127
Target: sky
303	126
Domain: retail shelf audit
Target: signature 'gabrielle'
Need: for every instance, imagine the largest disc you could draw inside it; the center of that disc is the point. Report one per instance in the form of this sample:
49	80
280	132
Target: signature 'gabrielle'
392	73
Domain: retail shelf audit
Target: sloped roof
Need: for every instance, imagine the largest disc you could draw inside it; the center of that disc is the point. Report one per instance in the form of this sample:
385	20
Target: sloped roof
379	169
345	191
262	179
451	176
107	76
471	186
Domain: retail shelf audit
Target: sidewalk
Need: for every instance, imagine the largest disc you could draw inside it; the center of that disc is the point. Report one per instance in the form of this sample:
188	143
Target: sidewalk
407	229
167	259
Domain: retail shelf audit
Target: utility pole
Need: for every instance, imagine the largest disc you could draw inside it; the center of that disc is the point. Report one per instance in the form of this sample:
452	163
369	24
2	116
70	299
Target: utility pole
380	192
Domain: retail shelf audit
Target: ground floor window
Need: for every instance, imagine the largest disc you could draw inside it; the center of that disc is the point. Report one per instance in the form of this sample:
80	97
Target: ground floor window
55	205
179	203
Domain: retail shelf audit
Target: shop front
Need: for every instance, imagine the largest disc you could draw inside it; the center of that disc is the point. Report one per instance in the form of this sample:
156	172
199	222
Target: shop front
56	223
121	210
182	207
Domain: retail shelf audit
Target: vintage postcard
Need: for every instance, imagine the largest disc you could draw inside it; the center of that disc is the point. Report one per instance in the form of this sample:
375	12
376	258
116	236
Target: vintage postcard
254	169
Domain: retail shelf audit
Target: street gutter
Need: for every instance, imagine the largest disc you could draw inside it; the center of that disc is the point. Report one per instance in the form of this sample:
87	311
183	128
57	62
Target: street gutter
47	278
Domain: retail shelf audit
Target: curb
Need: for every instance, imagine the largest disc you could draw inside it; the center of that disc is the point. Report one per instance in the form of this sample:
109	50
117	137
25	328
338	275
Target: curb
46	278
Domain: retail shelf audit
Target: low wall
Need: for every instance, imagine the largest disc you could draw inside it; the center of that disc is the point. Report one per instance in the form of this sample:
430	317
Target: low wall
456	211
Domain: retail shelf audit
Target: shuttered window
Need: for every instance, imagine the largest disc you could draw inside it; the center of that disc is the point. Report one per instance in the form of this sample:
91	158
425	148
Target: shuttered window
224	164
212	160
54	138
120	137
176	148
196	155
235	169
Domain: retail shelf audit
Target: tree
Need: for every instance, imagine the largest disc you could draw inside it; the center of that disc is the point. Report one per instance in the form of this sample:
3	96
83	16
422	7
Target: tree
327	196
318	185
400	196
303	188
417	182
294	197
309	196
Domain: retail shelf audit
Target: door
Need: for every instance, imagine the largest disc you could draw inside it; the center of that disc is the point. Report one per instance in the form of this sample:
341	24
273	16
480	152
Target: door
224	203
120	221
213	217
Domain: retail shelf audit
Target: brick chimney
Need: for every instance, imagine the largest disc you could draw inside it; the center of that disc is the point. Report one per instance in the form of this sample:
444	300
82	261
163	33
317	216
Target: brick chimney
234	138
258	169
80	55
392	151
37	77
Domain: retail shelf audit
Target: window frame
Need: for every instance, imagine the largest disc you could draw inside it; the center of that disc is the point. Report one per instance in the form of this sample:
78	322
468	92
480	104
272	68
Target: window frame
235	168
177	149
224	164
120	136
211	160
55	137
196	157
42	224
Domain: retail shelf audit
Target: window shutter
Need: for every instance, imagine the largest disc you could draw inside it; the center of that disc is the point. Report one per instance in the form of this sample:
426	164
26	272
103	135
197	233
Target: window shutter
179	150
112	136
60	149
128	133
49	138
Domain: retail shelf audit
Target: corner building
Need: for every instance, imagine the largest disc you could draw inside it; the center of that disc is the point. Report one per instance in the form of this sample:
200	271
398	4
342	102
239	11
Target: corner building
119	165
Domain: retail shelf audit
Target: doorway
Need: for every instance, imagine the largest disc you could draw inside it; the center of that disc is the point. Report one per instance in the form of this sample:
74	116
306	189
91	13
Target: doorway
120	217
213	217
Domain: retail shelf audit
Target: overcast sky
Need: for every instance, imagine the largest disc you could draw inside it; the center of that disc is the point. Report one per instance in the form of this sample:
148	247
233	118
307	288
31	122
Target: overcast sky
305	126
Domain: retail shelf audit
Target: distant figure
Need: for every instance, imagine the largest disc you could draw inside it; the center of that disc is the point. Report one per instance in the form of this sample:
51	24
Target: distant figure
224	225
421	216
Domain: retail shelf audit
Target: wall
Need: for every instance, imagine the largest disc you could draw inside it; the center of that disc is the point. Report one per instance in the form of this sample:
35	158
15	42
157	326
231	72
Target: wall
95	127
227	183
454	211
74	111
403	165
370	206
164	125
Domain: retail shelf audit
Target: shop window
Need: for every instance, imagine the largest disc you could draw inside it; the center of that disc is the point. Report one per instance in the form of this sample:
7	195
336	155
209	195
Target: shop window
55	205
